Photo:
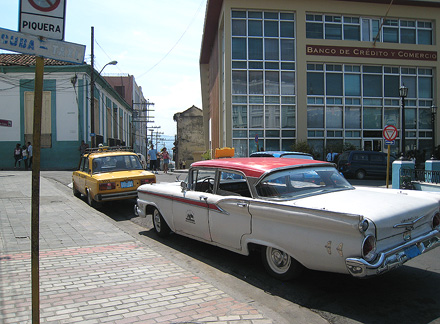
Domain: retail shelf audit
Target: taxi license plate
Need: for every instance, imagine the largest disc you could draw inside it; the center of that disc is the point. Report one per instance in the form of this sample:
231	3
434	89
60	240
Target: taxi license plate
127	184
412	252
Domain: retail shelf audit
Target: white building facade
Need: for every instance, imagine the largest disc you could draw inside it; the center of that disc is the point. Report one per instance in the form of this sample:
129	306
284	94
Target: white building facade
66	112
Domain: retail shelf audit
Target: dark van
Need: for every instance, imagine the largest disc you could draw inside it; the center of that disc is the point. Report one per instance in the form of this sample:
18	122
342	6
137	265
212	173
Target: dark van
360	164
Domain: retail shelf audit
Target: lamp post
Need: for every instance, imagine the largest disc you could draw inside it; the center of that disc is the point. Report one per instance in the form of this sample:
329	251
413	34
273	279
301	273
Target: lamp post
403	93
92	99
433	113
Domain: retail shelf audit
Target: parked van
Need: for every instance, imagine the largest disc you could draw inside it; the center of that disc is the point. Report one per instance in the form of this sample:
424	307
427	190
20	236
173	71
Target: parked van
360	164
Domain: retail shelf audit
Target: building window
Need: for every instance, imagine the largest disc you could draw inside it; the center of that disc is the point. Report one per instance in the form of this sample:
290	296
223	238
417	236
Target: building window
321	26
360	100
46	118
263	80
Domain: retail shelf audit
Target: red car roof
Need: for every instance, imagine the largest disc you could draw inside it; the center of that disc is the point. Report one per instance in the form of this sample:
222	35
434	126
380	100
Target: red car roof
255	166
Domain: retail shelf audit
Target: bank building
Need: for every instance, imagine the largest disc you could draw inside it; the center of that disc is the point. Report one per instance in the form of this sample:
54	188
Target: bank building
328	72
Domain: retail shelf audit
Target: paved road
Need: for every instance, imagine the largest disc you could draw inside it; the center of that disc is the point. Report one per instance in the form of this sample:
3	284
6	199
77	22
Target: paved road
406	295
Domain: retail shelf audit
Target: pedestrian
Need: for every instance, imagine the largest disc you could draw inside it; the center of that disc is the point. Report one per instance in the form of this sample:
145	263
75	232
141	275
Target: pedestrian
30	153
152	153
166	159
83	147
17	155
24	154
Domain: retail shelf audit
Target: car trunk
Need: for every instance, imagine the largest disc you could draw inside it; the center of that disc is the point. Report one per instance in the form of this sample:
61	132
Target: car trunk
387	208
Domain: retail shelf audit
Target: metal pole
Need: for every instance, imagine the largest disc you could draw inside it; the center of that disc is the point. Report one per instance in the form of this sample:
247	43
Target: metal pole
35	214
433	112
92	89
403	127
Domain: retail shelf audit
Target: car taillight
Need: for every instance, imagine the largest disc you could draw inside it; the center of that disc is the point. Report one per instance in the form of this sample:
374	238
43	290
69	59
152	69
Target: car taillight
369	248
145	181
436	221
107	186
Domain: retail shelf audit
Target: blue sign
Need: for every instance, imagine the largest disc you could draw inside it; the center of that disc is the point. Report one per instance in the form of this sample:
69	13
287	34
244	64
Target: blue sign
390	142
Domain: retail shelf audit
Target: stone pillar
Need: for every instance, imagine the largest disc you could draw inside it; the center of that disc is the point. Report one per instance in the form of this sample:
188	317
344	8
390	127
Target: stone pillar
397	166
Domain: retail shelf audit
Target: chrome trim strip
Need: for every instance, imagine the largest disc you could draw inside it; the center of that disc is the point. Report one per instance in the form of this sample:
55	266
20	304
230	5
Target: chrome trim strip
393	258
127	194
410	224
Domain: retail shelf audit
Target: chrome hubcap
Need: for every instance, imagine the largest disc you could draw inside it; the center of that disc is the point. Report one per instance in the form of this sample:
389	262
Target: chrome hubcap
278	260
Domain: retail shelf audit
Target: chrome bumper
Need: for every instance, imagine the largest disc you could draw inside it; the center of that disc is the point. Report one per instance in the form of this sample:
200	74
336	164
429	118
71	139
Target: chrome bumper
394	258
115	196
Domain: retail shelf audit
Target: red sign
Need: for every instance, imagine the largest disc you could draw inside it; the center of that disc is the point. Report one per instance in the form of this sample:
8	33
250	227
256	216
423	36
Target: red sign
45	6
390	133
6	123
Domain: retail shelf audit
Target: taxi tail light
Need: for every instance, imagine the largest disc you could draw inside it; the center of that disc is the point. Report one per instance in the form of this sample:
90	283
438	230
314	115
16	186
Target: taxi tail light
436	221
146	181
369	248
107	186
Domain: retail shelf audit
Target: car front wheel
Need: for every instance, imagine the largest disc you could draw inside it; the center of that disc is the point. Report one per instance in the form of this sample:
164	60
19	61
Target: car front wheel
160	226
279	264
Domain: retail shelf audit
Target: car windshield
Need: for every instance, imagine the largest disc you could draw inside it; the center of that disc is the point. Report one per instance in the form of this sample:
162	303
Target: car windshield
300	182
297	156
115	163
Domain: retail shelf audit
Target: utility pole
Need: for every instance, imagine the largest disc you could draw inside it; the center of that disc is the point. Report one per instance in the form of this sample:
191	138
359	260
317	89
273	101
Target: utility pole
92	89
148	119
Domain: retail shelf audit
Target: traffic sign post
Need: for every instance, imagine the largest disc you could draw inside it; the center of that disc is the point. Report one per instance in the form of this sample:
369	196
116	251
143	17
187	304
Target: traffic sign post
389	133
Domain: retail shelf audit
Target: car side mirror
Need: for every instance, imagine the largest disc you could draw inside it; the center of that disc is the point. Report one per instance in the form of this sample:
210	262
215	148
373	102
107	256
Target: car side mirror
184	186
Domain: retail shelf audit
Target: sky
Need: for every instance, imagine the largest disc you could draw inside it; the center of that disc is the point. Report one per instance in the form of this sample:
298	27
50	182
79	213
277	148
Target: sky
158	42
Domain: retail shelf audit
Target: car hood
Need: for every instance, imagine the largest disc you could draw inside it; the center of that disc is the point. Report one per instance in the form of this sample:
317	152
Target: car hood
385	207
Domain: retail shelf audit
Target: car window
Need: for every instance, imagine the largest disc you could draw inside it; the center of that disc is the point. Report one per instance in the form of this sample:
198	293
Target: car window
376	158
360	157
86	165
298	182
202	180
81	164
297	156
116	163
233	184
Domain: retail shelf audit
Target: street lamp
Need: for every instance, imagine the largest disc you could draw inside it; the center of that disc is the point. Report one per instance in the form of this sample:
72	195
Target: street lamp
109	63
403	93
92	100
433	113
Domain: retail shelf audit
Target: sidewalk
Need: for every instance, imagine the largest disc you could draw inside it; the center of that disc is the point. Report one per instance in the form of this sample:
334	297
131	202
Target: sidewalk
91	271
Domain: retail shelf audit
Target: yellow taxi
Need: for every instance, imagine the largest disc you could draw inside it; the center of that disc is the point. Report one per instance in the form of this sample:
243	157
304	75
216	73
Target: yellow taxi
109	173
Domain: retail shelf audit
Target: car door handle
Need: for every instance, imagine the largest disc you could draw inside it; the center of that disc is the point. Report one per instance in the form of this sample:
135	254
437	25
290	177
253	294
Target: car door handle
242	204
205	198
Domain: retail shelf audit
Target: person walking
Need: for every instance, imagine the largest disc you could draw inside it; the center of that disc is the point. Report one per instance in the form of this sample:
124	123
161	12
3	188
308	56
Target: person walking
30	153
166	159
17	155
152	153
24	154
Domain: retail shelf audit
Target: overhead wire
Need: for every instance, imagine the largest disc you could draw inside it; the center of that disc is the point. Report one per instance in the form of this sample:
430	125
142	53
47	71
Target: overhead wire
175	44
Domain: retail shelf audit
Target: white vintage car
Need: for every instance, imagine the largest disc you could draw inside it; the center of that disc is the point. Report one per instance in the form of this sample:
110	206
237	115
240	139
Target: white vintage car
299	213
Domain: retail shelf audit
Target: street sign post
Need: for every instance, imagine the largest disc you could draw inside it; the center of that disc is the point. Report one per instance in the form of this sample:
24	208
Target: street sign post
41	34
389	133
43	18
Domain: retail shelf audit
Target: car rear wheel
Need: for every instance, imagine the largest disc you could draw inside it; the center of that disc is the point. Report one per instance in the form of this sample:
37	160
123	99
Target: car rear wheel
92	203
160	226
76	192
360	174
279	264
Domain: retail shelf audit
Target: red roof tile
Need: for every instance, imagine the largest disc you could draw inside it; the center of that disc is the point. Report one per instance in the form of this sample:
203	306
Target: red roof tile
26	60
